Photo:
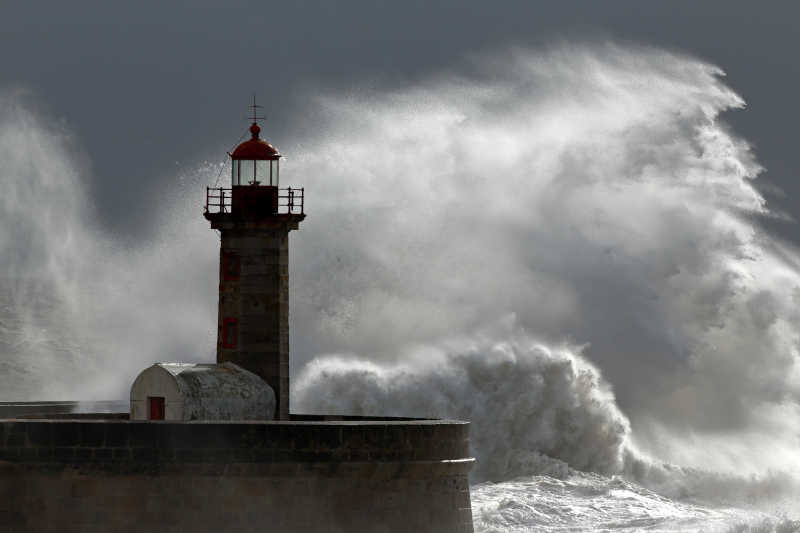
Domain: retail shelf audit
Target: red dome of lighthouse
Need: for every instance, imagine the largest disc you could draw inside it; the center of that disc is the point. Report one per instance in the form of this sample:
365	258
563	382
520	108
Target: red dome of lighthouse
255	148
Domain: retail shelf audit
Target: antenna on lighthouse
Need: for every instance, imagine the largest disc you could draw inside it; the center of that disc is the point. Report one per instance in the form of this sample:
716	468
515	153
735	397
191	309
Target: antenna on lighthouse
255	107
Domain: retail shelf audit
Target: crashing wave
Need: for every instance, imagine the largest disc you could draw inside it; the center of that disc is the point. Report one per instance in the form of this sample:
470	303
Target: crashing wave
533	409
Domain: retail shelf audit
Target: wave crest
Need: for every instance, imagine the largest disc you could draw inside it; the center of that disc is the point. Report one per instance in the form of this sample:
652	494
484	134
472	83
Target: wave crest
533	408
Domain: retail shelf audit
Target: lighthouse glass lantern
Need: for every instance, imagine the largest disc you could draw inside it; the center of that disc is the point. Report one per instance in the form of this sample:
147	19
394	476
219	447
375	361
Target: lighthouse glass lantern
255	162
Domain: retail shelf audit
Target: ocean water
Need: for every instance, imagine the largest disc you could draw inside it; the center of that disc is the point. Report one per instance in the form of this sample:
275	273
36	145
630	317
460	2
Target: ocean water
564	246
590	502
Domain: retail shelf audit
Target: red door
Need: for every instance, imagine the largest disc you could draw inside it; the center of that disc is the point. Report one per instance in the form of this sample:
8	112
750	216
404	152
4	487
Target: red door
156	407
230	332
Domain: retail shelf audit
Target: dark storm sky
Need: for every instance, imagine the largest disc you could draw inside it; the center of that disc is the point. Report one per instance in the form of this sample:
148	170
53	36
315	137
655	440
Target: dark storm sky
151	87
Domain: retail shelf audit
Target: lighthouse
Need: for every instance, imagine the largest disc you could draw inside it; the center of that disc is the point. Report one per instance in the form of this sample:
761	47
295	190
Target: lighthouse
216	429
254	217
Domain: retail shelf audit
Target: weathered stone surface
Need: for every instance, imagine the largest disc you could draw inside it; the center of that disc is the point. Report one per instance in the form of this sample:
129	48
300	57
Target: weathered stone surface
257	297
203	392
342	474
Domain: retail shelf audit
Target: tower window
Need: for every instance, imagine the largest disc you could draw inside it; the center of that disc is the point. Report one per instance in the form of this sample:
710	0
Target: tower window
230	332
230	266
155	407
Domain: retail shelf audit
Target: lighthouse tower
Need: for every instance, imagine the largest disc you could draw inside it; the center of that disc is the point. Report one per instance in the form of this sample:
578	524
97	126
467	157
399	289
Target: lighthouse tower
254	217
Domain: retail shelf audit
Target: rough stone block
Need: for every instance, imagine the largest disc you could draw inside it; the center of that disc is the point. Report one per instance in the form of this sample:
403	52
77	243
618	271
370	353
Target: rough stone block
66	434
116	434
121	454
177	436
92	434
144	456
15	434
64	454
144	434
40	434
102	454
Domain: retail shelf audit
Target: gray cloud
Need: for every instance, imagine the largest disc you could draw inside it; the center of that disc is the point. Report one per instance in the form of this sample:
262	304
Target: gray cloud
151	88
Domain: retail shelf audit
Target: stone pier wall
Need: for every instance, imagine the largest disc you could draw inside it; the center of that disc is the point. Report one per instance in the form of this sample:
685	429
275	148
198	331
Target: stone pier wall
298	476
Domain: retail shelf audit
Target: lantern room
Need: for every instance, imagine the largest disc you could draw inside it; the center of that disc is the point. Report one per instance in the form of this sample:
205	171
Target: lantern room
255	162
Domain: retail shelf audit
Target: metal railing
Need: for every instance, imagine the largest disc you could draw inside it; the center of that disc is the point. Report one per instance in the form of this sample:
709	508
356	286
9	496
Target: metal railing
290	201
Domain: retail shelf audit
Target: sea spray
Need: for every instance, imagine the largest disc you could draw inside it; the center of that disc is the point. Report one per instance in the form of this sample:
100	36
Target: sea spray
82	312
533	409
597	195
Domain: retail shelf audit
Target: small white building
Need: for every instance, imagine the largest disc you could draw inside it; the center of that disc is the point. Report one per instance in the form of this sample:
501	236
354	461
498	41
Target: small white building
189	391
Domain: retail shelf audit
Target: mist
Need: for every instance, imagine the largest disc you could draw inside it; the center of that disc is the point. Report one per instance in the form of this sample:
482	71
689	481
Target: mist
560	244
